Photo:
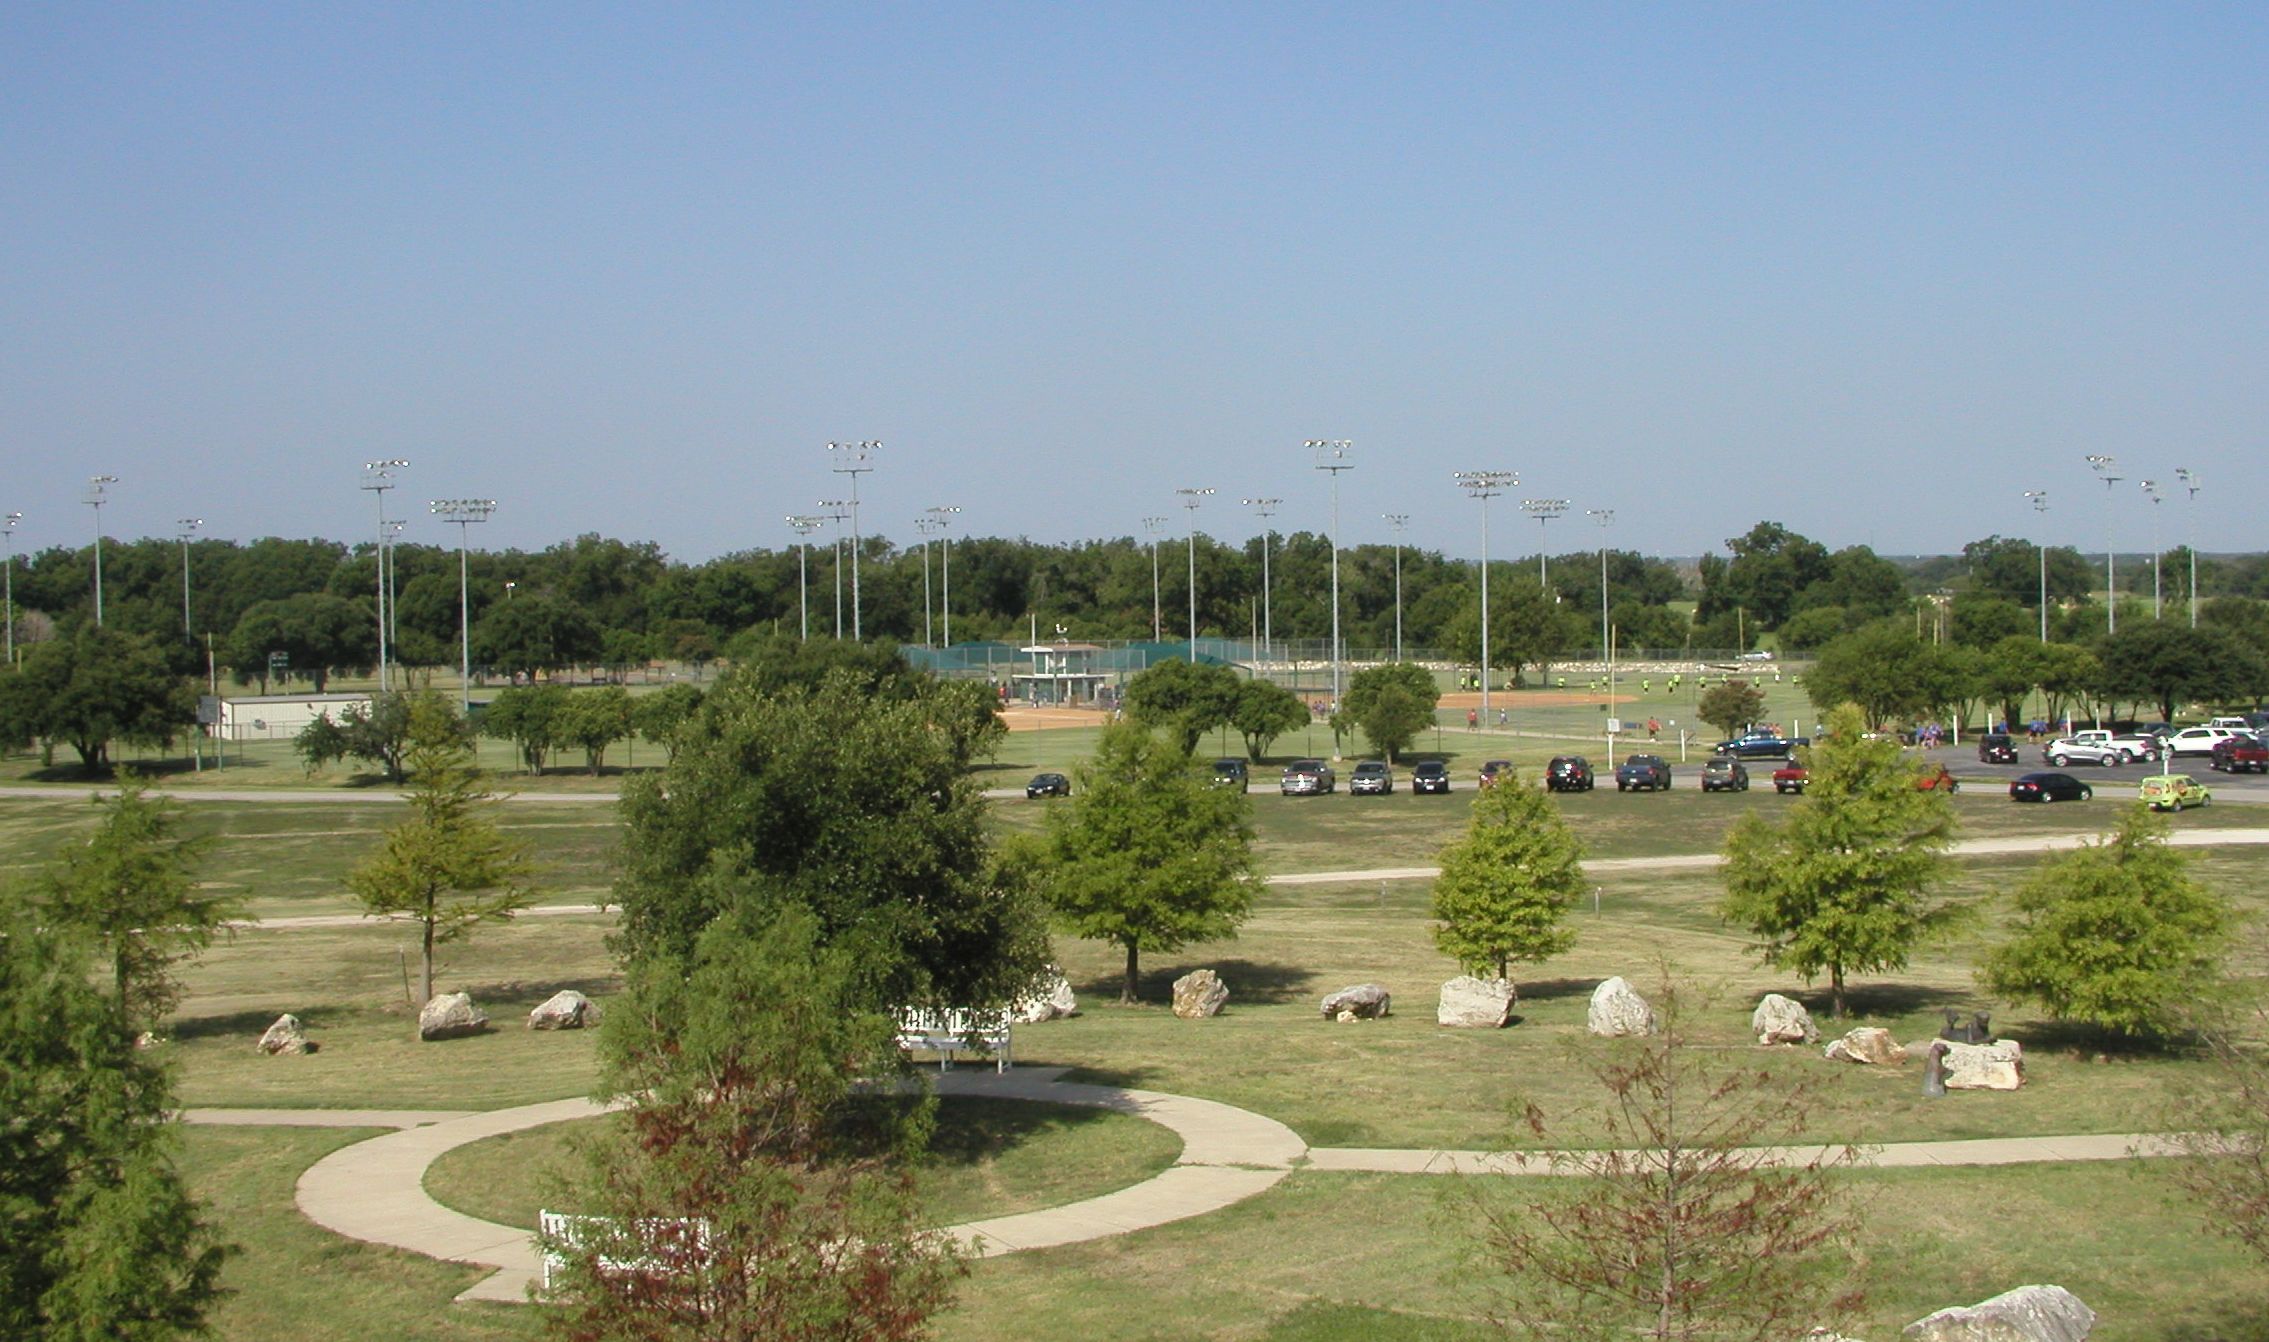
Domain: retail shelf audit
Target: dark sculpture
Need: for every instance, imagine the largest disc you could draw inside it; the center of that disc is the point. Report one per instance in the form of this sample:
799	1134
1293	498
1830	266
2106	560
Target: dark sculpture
1934	1071
1978	1031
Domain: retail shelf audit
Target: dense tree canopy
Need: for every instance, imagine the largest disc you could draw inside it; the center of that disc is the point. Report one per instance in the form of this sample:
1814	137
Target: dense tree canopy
95	686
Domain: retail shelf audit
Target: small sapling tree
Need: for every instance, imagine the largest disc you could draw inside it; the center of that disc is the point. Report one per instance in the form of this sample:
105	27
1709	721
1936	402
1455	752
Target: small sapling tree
1508	884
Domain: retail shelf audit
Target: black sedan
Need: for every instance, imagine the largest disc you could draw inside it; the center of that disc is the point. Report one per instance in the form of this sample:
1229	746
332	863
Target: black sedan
1430	776
1048	785
1756	746
2049	787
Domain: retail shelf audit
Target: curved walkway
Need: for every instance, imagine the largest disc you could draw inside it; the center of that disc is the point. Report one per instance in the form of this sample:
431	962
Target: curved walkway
374	1190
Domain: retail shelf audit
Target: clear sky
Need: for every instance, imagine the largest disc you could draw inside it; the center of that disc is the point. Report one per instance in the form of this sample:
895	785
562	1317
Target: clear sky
1869	270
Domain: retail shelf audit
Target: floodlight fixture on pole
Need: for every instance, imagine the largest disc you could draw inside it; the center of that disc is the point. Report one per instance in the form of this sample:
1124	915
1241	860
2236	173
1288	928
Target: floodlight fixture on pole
8	558
1334	455
1485	485
1543	510
838	512
944	514
98	495
1191	498
1265	509
2102	465
188	528
378	477
852	461
1154	526
2189	479
1397	523
464	512
927	527
1605	518
804	526
2151	491
2039	499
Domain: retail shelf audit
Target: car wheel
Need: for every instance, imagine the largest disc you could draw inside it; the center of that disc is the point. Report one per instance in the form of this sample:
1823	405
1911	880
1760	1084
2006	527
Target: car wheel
2059	760
2087	793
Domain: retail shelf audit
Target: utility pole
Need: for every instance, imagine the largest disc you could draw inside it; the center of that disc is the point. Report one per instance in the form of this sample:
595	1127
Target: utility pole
188	527
854	464
1332	454
464	512
1605	517
928	527
1191	498
1543	510
1397	522
804	526
2189	479
838	512
943	515
2151	490
378	477
1155	525
2039	499
1485	485
2102	465
97	495
1265	509
8	557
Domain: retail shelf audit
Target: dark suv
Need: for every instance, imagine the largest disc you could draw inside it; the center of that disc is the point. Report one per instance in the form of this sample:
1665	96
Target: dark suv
1568	773
1650	772
1372	778
1230	772
1429	776
1998	748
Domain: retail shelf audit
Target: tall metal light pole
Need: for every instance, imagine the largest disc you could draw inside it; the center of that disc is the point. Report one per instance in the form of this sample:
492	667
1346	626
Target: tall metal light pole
2039	499
1397	522
1605	518
1155	525
96	497
1265	509
944	515
188	527
927	527
378	477
1485	485
853	462
838	512
2189	479
2102	465
804	526
1543	510
1191	498
1334	455
8	557
2151	491
393	586
464	512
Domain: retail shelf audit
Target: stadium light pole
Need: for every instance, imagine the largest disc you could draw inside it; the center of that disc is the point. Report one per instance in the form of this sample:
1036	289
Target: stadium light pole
393	586
1604	518
378	477
1265	509
98	495
2039	499
853	462
1154	526
1397	522
8	557
1191	498
2189	479
1333	455
2151	491
2102	465
804	526
928	527
1543	510
945	513
1485	485
188	527
838	513
464	512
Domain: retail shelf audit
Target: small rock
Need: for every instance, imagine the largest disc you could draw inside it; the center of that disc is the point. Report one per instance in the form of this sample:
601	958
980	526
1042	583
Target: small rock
450	1016
1868	1044
566	1009
1999	1065
1782	1020
1470	1003
2027	1314
147	1040
285	1036
1199	994
1618	1010
1364	1001
1049	998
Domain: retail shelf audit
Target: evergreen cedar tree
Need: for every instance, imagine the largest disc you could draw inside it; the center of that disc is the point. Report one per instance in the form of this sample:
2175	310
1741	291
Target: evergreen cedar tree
1846	883
1507	886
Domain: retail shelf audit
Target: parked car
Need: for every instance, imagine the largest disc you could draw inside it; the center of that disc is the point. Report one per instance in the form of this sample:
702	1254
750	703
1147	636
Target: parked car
1492	770
2172	792
1372	778
1307	778
2244	753
2049	787
1790	778
1998	748
1940	779
2196	741
1756	746
1429	776
1650	772
1568	773
1047	785
1724	774
1231	772
2099	746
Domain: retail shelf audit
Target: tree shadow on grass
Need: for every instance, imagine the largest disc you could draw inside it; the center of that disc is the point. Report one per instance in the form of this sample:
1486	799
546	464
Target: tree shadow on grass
1555	988
1878	1000
971	1130
248	1024
539	990
1250	982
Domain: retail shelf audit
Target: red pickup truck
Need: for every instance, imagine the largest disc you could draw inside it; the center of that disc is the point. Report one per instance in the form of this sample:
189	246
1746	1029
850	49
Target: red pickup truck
1791	778
2241	754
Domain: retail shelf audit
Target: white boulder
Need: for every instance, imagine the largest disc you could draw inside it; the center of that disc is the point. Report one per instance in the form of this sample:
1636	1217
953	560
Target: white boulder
1199	994
2027	1314
1999	1065
1470	1003
1782	1020
1364	1001
1618	1010
566	1009
287	1035
450	1016
1870	1045
1049	998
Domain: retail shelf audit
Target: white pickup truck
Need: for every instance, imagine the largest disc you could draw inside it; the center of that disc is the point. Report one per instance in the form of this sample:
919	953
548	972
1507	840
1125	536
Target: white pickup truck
2098	746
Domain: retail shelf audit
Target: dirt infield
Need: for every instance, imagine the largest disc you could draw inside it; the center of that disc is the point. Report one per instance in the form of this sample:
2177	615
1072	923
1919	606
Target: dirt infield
1024	719
1518	699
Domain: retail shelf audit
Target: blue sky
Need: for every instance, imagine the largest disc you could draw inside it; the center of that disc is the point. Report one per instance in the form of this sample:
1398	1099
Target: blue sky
1868	270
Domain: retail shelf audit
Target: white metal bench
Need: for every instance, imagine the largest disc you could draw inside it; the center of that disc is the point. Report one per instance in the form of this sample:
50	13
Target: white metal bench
575	1232
955	1030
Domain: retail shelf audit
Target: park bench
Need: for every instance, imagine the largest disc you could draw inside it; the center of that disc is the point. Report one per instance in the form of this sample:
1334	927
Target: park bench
573	1231
951	1030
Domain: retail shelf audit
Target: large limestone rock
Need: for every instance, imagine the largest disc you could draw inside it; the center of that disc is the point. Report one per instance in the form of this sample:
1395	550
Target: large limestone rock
287	1035
1049	998
451	1016
566	1009
1470	1003
1364	1001
1618	1010
1999	1065
1868	1044
2027	1314
1199	994
1782	1020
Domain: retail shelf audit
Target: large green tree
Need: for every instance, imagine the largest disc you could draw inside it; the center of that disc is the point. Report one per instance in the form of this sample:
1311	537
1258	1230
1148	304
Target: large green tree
315	632
1265	710
2116	934
94	687
1507	886
1847	883
1890	672
536	633
1731	705
531	717
1186	698
1149	855
2170	664
1392	703
595	719
378	734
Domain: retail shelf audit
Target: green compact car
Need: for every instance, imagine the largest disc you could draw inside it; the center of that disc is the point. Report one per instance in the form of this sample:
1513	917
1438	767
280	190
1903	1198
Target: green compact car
2172	792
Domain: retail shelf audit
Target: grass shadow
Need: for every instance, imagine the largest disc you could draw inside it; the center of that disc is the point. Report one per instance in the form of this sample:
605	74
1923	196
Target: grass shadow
971	1130
539	990
1251	982
249	1024
1548	989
